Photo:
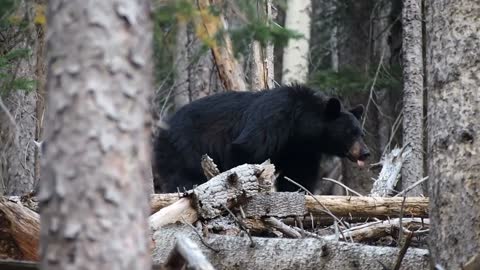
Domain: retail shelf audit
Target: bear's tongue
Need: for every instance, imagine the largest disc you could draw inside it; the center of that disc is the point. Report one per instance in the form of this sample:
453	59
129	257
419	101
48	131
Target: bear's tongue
360	163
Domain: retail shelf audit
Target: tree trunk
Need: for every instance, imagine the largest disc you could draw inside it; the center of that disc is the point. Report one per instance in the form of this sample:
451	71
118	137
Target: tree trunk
196	74
18	115
94	202
261	66
295	56
453	42
412	170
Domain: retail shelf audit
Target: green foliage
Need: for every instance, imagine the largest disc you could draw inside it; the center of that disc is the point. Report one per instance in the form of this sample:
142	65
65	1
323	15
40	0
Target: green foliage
12	28
9	80
350	81
263	32
250	23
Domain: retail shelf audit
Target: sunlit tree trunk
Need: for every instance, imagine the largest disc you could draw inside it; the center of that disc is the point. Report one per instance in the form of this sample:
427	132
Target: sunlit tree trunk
295	55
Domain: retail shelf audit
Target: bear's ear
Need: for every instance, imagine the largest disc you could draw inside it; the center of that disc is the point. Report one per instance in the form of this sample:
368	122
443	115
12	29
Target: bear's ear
333	108
357	111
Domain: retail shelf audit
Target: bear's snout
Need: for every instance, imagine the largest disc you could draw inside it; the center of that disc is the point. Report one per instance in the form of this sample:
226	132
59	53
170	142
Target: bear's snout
359	152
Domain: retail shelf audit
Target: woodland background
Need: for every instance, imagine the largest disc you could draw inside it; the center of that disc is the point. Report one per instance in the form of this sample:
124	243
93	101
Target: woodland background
414	64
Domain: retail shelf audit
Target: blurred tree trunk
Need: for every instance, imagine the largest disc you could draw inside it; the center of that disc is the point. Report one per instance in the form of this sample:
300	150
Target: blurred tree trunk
93	193
261	66
296	54
18	110
453	47
355	53
412	169
196	73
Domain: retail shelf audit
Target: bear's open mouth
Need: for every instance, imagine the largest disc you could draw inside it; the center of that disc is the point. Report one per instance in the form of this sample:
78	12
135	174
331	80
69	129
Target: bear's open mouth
360	160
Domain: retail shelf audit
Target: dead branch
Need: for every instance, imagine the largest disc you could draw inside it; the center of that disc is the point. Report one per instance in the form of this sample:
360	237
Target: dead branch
282	227
187	253
181	209
376	230
229	70
210	169
390	173
373	207
280	253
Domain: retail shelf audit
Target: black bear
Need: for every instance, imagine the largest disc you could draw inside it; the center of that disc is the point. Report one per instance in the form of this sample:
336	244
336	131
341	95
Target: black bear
293	126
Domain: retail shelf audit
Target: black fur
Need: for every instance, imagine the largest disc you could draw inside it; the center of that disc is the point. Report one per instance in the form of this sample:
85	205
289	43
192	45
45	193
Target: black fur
291	125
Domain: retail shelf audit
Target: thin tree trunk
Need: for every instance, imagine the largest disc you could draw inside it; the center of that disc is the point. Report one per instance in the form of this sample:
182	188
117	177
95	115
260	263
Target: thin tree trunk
40	72
412	170
295	56
261	66
94	202
453	42
229	70
18	118
181	89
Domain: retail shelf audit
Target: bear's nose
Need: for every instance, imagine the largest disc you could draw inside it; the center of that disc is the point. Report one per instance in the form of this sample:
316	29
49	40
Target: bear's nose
364	155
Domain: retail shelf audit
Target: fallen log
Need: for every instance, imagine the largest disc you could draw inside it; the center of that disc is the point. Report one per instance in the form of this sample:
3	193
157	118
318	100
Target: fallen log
233	252
373	207
210	199
340	206
21	227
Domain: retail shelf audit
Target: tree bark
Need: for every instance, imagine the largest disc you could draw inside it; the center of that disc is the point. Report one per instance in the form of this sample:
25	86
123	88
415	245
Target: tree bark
295	55
341	206
412	170
17	116
229	70
94	202
21	227
261	71
453	42
233	252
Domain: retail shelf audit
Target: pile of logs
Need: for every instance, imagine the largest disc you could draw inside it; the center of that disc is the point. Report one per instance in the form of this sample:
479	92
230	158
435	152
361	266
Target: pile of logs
235	221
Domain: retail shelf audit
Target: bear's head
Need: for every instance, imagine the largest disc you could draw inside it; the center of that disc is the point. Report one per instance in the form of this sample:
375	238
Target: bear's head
343	132
335	130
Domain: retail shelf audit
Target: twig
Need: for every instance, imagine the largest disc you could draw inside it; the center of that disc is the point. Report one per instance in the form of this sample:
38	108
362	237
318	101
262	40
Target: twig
241	225
400	233
412	186
187	253
403	251
282	227
373	86
10	118
326	211
342	185
200	236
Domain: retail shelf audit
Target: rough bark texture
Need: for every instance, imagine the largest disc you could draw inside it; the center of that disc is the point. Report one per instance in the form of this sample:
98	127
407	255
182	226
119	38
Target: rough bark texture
17	117
269	253
229	70
341	206
412	170
388	177
196	74
93	196
181	95
295	56
453	42
19	231
261	66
